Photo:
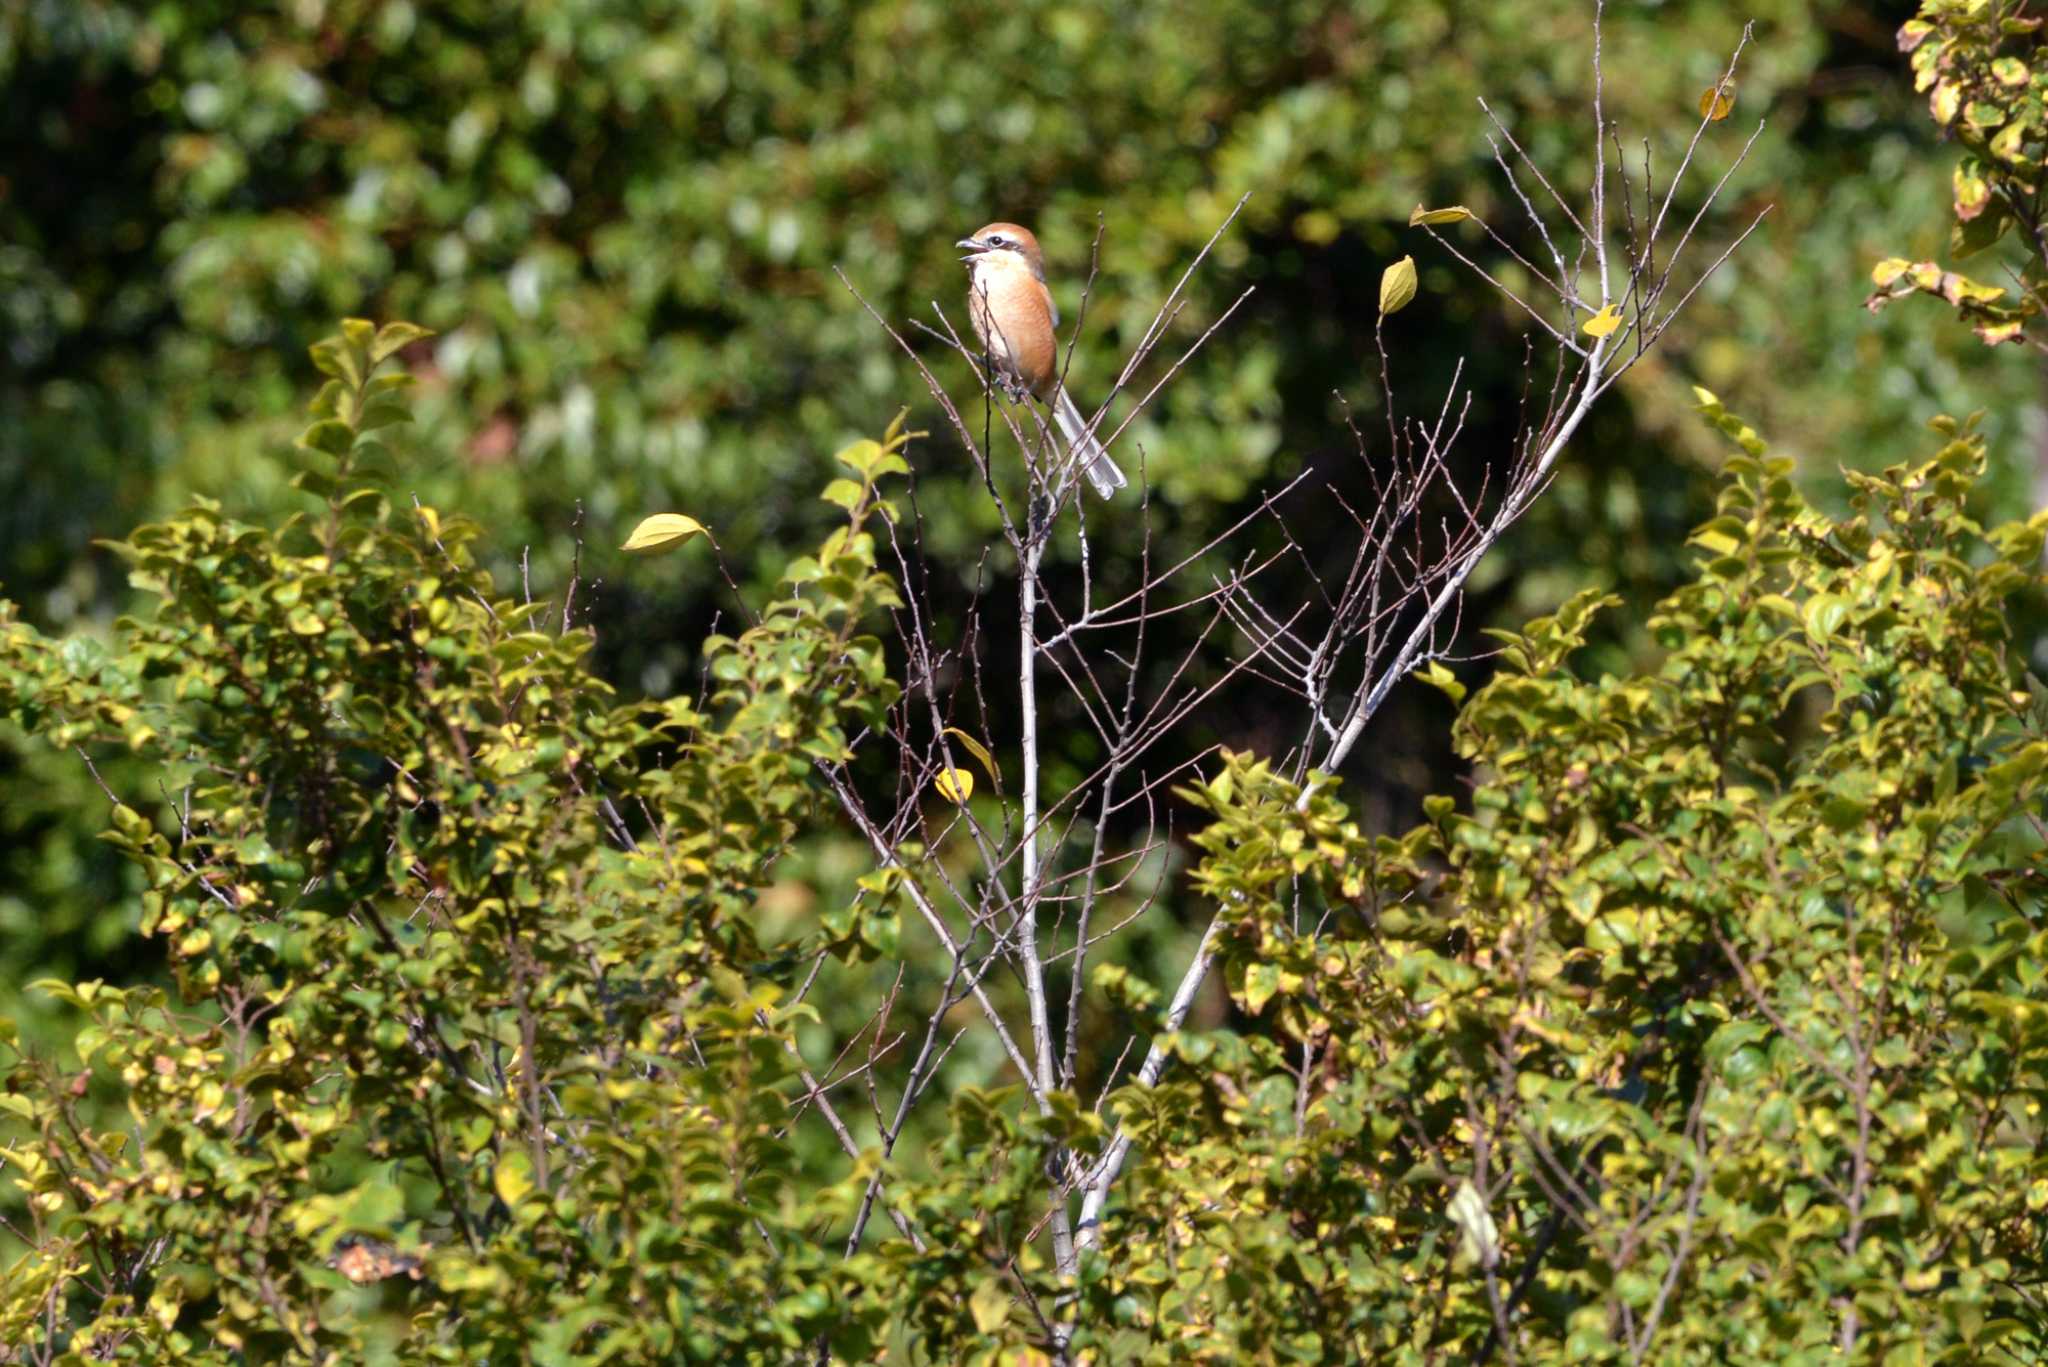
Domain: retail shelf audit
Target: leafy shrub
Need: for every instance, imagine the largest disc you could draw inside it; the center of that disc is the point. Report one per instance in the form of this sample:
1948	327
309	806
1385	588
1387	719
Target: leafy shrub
1711	1032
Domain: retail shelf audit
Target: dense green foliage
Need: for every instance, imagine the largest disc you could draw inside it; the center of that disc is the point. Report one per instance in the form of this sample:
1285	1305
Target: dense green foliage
445	1015
1709	1044
1720	1006
457	944
623	219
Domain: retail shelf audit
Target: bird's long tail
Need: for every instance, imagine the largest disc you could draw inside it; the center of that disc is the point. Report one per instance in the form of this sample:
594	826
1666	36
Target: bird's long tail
1088	452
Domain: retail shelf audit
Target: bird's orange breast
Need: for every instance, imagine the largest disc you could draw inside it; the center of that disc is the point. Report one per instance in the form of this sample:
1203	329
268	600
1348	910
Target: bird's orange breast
1013	317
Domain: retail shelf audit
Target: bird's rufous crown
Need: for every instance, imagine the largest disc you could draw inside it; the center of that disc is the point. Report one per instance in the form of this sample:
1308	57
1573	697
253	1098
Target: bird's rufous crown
1007	237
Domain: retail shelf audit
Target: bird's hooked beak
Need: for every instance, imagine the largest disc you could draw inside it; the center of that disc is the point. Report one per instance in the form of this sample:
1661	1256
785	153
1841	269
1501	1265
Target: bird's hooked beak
974	245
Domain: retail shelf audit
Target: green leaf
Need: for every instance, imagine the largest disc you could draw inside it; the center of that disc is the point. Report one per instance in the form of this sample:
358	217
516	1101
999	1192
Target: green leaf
331	357
334	437
843	492
1437	676
1824	612
860	456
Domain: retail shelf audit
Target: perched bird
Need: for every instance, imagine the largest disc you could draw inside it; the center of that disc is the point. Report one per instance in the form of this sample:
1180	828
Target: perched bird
1014	317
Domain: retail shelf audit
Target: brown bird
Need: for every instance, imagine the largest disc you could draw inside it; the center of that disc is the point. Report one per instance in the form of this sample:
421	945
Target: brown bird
1014	316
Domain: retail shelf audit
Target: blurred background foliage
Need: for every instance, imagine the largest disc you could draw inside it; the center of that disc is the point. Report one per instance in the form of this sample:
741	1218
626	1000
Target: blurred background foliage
622	218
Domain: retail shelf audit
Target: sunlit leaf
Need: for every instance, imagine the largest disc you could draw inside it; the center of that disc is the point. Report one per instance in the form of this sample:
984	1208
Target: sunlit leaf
1438	677
513	1179
1397	286
1602	323
954	785
1824	613
662	531
1430	218
1478	1236
860	455
1717	101
1261	981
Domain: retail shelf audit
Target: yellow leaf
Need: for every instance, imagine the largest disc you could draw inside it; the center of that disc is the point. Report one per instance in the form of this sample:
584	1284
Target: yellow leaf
514	1178
661	531
990	1306
1397	286
1430	218
954	785
1604	322
1717	101
979	751
1943	103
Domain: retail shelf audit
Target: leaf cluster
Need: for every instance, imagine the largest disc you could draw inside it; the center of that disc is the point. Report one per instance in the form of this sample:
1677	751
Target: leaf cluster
1712	1031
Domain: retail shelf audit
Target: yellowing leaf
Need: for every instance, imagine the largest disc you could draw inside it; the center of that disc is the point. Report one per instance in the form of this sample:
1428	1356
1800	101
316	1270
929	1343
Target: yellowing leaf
661	531
990	1306
393	338
1430	218
954	785
1604	322
1261	981
514	1178
1717	101
1436	676
861	455
1973	191
1945	101
1478	1236
979	751
1397	286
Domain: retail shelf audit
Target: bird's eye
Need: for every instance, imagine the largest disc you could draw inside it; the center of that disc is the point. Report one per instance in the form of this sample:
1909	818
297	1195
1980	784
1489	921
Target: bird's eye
998	240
